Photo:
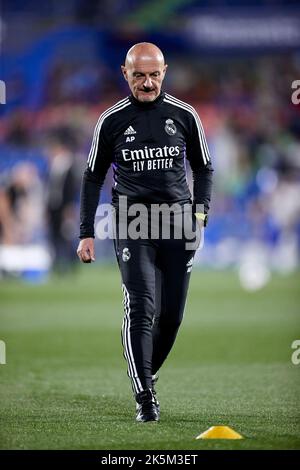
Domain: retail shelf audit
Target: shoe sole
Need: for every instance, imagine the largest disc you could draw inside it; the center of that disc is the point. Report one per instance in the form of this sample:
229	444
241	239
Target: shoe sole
148	421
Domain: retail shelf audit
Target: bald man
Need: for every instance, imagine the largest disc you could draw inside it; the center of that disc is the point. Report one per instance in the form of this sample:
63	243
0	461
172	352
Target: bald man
144	71
146	137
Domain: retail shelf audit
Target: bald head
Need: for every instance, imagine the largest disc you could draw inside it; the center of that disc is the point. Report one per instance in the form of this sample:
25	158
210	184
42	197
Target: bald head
144	70
144	51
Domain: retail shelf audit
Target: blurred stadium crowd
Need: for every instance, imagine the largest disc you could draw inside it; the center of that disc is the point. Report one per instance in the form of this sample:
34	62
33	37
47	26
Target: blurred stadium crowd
69	75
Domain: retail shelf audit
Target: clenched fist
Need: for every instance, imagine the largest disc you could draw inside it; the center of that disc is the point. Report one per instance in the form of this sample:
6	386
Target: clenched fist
86	250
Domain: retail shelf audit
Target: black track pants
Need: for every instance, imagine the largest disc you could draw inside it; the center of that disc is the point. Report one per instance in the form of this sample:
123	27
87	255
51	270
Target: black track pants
155	278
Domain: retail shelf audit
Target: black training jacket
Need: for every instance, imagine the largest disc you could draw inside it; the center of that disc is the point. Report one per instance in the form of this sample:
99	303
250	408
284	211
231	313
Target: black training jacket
147	143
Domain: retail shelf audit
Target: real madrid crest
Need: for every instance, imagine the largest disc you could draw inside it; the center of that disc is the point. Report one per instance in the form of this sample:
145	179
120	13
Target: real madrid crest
170	127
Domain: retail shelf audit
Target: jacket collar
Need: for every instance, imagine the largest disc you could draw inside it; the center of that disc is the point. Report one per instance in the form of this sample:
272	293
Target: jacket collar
147	104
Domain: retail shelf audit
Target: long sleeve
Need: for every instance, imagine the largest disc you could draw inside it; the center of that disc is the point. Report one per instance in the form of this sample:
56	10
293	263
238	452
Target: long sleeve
198	155
99	160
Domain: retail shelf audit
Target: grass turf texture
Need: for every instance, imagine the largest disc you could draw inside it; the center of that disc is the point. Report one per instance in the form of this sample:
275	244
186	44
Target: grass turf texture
65	385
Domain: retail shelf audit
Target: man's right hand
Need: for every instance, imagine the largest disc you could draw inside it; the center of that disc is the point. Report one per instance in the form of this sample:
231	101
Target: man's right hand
86	250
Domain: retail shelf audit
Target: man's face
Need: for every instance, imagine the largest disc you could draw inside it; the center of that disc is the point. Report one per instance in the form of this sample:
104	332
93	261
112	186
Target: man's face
145	77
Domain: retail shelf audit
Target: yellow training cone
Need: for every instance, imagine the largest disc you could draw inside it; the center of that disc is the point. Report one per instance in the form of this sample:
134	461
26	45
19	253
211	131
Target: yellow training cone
220	432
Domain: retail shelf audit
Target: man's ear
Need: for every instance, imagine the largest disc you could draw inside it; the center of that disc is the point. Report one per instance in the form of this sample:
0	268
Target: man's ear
124	72
165	69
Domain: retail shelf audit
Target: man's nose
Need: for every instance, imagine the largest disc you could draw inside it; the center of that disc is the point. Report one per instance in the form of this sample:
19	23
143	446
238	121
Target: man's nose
148	82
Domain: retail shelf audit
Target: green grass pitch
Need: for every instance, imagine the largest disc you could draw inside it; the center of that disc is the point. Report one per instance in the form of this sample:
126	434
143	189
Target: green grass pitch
65	385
